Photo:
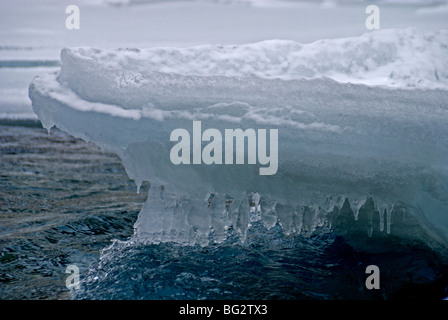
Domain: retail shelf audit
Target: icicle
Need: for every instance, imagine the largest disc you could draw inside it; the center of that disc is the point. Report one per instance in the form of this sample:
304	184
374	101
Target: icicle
382	209
139	184
370	229
256	198
242	222
370	214
218	217
382	218
356	204
389	218
228	200
269	216
285	214
309	221
298	219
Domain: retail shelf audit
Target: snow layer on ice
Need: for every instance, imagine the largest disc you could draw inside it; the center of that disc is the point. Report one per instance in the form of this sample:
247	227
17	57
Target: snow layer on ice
409	58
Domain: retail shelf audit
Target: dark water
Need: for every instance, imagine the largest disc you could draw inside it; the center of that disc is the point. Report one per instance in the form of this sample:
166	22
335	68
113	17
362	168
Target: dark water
65	202
61	201
266	266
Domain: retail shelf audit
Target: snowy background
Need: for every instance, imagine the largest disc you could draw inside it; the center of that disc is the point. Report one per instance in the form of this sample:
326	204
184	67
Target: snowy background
32	33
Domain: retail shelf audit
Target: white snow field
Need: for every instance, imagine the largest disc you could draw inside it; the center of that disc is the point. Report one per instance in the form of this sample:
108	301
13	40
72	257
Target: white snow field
339	139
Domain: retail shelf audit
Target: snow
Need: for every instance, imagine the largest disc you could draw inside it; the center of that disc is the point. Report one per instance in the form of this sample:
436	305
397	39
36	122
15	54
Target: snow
400	58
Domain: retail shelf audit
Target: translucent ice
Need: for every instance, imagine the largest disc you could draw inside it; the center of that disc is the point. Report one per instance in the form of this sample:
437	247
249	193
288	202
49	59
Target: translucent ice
349	154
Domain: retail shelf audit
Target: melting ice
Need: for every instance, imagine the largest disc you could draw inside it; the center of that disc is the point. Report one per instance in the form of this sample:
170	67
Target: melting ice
360	132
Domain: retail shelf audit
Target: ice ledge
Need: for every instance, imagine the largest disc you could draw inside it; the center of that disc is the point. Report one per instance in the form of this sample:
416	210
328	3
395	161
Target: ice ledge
393	156
335	138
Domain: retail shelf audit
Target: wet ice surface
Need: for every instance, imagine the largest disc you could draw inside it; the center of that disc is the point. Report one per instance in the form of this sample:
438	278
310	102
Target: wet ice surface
56	210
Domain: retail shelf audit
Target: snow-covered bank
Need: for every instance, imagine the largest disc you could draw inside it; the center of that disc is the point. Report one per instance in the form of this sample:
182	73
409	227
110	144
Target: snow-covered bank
336	141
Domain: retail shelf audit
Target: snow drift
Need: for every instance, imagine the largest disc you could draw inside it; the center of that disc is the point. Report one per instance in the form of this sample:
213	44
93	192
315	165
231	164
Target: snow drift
363	131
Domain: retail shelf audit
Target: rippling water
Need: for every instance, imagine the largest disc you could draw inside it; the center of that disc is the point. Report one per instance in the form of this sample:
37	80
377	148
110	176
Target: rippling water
63	201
